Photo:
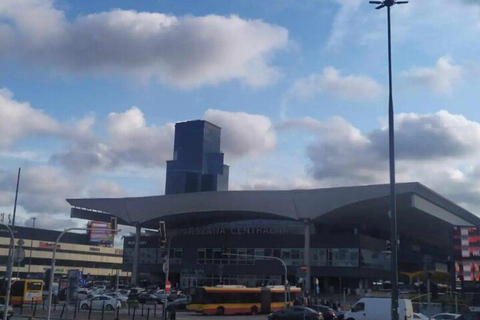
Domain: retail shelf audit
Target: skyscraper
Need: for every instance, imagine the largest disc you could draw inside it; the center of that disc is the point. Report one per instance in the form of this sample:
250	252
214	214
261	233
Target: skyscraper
197	163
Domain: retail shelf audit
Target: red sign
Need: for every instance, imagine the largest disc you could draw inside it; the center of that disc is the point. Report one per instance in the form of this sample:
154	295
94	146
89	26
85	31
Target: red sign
168	287
48	245
303	268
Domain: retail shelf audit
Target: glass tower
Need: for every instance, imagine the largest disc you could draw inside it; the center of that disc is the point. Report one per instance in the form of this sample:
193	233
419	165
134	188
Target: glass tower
197	163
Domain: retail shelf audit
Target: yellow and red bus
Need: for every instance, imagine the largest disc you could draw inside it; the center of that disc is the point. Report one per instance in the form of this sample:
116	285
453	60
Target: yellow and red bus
240	299
25	291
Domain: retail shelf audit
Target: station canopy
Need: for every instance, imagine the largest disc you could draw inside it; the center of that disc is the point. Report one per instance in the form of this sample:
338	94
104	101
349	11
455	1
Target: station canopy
419	208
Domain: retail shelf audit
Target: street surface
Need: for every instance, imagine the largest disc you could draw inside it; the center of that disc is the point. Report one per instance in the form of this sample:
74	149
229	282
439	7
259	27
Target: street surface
123	315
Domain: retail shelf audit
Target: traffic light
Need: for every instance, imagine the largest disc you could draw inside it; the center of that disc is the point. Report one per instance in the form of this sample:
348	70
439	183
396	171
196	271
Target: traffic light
113	225
162	233
388	246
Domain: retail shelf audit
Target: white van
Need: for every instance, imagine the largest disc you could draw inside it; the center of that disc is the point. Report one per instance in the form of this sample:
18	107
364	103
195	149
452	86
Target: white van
379	309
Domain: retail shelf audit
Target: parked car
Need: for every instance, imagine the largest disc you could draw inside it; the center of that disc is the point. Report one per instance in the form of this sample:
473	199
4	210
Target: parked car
445	316
379	309
83	294
295	313
98	302
470	316
146	297
2	309
327	312
179	304
420	316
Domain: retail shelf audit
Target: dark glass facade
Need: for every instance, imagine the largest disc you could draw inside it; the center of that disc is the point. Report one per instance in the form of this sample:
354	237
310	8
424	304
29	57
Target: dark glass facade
197	163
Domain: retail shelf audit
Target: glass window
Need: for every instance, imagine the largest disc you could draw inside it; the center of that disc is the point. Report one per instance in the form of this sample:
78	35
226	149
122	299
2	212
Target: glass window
259	252
201	256
359	307
217	256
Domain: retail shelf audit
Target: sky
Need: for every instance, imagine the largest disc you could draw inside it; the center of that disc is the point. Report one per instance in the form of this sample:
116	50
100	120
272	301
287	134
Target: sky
90	92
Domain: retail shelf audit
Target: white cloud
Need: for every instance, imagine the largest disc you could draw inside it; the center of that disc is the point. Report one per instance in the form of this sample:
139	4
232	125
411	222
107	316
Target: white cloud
341	23
183	51
133	141
42	189
106	189
243	134
441	78
331	82
440	150
19	120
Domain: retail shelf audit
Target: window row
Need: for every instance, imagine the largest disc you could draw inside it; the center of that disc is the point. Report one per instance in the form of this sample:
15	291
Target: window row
345	257
153	255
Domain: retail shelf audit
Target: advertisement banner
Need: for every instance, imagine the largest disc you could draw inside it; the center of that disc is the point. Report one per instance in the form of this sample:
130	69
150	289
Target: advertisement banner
100	234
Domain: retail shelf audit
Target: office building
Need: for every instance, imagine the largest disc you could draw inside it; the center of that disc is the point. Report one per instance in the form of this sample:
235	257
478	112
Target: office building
197	163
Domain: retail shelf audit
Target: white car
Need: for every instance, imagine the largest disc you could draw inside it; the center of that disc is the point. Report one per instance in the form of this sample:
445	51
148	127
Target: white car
420	316
82	294
99	302
445	316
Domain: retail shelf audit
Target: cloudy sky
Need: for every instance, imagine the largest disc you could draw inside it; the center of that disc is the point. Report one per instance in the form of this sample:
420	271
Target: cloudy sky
90	92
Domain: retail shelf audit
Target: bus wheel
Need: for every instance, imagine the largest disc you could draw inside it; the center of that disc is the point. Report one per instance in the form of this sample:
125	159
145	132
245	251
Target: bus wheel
220	311
254	310
84	306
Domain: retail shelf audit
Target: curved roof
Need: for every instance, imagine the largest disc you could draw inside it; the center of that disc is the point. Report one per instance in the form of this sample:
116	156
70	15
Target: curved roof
205	207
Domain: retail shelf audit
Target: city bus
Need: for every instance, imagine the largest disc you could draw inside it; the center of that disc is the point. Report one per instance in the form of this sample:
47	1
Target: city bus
24	291
222	300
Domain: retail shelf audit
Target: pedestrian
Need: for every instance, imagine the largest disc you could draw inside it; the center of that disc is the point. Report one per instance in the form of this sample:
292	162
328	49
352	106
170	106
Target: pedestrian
296	302
335	306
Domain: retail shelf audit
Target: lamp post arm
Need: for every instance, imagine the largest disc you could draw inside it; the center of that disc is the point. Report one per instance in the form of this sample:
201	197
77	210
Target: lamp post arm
52	268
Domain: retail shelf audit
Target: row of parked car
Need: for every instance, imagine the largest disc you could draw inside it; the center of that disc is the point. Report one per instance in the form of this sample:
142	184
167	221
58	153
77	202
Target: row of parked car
98	297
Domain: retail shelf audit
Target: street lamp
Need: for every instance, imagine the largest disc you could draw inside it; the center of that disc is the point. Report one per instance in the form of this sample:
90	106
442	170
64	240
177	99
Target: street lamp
9	270
112	229
391	144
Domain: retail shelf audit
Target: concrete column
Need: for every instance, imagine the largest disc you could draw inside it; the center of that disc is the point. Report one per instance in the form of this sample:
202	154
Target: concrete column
308	285
136	254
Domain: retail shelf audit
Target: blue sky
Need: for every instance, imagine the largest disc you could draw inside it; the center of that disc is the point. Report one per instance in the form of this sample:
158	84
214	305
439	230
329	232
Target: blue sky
91	90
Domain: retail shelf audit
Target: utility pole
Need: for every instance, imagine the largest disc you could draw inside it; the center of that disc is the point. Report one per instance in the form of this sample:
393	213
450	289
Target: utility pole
391	144
16	196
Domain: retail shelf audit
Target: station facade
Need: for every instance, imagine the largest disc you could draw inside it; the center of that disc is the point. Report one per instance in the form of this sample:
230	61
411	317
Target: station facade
336	237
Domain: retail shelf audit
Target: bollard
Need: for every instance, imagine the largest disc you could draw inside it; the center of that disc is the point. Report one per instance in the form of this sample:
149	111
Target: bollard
21	308
34	309
43	304
90	310
148	313
118	314
63	309
103	309
133	315
155	310
31	305
142	310
55	306
75	311
128	305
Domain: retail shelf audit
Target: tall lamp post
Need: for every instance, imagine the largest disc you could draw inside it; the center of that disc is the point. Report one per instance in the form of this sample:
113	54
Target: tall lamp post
112	229
391	146
9	270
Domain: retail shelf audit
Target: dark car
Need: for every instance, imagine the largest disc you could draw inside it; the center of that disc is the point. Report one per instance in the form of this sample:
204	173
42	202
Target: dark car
470	316
296	313
327	312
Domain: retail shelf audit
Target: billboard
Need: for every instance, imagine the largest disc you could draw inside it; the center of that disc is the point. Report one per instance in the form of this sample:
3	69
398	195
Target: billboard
100	234
467	258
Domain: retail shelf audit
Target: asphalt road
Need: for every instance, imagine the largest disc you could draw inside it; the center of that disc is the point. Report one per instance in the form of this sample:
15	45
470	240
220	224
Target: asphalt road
123	316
